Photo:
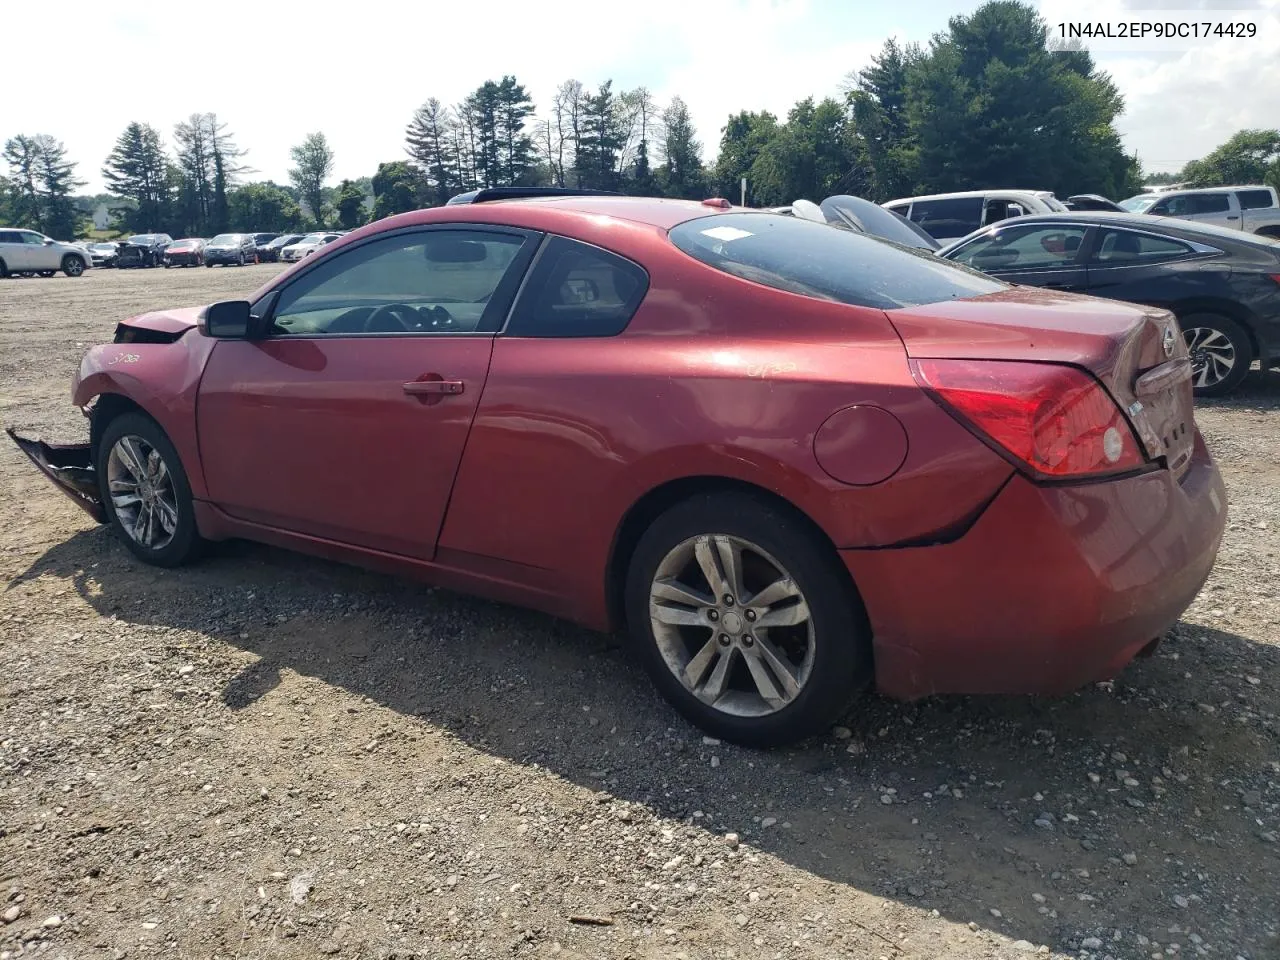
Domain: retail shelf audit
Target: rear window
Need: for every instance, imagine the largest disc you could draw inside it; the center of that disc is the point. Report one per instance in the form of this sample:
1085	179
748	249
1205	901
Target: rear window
942	219
1254	199
816	260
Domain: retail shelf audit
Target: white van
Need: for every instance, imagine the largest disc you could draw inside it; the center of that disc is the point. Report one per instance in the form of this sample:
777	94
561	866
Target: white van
949	216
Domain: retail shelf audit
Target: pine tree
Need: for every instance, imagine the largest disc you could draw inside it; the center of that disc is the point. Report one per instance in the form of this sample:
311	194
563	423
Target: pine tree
137	169
515	106
22	153
431	143
57	182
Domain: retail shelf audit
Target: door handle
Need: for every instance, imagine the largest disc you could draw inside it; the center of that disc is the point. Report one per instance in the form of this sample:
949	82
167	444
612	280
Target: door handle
419	388
1232	216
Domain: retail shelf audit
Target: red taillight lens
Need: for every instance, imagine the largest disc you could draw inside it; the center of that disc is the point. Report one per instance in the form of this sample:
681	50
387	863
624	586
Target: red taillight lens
1274	276
1056	420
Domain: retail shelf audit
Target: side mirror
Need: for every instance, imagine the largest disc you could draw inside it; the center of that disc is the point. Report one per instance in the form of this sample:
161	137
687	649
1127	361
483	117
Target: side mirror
48	242
226	320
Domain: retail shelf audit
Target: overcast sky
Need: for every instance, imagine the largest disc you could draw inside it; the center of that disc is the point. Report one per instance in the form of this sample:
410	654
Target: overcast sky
276	71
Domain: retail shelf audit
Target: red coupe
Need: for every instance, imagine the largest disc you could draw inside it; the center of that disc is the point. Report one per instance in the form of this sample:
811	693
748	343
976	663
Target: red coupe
793	461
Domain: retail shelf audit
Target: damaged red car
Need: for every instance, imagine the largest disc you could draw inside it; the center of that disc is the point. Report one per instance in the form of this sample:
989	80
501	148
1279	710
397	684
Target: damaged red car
791	460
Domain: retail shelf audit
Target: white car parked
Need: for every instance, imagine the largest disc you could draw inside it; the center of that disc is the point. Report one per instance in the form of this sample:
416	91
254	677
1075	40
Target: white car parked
1253	209
307	245
949	216
25	251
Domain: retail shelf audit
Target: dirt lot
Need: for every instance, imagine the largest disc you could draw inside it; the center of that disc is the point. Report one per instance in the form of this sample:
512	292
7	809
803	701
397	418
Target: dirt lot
270	756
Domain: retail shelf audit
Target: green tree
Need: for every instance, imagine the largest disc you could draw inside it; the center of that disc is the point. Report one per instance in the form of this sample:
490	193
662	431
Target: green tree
349	202
1249	156
58	182
597	139
22	153
742	140
681	173
137	169
262	206
989	104
515	145
430	141
313	163
878	99
208	168
398	188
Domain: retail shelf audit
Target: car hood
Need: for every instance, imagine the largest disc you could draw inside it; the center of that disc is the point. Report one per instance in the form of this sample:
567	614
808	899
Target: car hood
168	324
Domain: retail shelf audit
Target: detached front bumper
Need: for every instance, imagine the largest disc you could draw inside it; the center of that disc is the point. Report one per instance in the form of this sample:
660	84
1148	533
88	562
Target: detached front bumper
70	467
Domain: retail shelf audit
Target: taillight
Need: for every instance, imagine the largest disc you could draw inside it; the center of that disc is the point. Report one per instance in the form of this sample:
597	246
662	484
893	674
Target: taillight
1055	420
1274	276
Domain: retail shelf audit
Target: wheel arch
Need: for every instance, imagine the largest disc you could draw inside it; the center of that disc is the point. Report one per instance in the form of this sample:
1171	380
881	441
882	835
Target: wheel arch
1228	309
107	407
654	502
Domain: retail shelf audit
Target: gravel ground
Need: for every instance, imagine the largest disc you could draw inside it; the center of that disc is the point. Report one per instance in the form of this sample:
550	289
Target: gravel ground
271	756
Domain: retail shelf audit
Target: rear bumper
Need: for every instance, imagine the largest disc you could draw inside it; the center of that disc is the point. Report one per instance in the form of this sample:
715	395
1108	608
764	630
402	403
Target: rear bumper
1051	589
69	466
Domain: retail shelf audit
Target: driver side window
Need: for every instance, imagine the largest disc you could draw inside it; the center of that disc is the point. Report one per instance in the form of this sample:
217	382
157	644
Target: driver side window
34	239
423	282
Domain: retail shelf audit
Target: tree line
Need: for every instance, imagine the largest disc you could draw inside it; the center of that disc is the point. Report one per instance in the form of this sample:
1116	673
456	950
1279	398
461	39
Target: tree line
988	102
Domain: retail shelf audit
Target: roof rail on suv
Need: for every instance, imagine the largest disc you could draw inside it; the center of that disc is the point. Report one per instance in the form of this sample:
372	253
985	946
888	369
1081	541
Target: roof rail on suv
522	193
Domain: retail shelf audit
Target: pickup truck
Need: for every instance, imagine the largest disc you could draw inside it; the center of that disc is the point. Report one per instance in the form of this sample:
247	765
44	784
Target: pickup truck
1253	209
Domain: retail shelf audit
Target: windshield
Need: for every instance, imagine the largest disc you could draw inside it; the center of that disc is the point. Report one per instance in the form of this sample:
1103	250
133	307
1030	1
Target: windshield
814	260
143	238
1054	204
1139	204
313	238
225	239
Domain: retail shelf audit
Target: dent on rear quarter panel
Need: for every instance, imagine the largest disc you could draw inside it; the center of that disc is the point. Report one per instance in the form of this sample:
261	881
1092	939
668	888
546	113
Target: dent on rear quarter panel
163	379
571	433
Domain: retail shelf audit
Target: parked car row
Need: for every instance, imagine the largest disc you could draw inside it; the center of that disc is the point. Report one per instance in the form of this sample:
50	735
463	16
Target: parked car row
160	249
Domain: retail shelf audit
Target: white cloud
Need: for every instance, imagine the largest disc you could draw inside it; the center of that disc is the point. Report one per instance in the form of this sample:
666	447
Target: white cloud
1180	105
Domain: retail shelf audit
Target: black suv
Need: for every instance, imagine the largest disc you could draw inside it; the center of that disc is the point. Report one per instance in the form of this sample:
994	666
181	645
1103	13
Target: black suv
143	250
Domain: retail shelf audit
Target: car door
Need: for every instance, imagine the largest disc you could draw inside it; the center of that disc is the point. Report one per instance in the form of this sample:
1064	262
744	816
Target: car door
1136	266
347	420
11	249
1038	254
37	254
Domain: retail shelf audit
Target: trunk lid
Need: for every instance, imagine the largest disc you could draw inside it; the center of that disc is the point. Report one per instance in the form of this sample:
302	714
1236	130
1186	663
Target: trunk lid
1136	352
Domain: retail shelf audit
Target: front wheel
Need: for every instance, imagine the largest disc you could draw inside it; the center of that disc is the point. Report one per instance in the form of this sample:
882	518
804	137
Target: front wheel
746	621
1221	353
145	491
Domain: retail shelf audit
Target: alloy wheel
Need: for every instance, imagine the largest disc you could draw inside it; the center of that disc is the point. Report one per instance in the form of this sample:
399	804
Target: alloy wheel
1213	355
732	625
142	492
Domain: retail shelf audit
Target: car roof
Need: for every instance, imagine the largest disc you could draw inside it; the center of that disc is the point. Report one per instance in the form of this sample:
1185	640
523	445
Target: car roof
1173	226
1216	189
970	194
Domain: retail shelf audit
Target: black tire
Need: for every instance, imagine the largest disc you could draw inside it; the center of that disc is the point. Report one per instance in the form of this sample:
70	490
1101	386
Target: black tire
4	271
1241	344
47	273
72	265
209	265
185	544
842	660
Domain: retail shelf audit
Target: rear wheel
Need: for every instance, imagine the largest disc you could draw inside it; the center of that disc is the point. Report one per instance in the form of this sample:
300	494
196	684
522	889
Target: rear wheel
1221	352
145	491
47	273
745	620
4	271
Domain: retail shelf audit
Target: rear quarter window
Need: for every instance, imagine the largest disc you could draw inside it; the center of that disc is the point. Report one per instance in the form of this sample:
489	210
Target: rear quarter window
1254	199
578	290
948	218
819	261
